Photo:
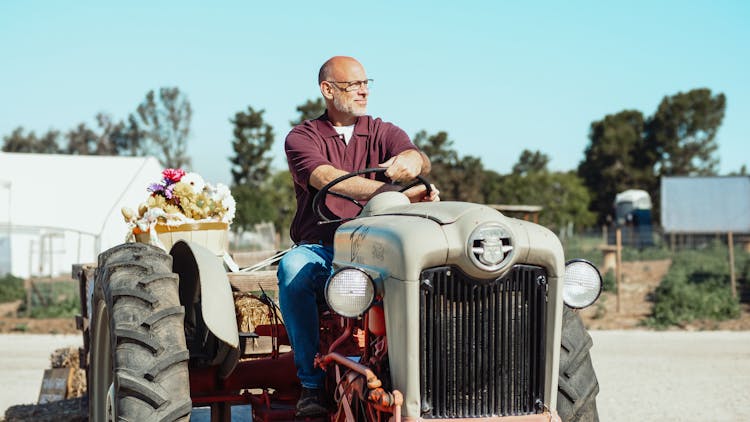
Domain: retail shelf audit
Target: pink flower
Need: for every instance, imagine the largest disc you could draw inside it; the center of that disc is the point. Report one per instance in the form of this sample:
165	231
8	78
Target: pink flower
173	175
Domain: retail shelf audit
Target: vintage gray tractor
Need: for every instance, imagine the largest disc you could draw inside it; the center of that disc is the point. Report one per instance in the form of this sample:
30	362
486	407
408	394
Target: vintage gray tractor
442	311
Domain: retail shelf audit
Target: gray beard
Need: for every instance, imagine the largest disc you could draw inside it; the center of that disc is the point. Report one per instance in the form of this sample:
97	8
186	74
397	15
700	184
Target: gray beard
349	108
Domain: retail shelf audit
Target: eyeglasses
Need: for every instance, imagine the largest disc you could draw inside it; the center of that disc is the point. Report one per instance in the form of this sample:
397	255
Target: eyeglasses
350	86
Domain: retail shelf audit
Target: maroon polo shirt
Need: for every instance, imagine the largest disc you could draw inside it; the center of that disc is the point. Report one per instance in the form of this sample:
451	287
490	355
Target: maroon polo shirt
314	143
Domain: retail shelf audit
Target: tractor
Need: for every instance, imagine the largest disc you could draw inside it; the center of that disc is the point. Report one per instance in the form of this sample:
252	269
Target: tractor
445	311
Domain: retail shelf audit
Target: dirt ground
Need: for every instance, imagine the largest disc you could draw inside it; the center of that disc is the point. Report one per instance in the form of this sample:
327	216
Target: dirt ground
38	326
639	281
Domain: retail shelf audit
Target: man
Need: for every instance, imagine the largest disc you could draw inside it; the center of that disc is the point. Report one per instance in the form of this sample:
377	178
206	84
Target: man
342	140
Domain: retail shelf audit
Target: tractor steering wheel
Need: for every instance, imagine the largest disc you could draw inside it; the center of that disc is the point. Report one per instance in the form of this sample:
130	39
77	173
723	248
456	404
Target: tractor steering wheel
326	190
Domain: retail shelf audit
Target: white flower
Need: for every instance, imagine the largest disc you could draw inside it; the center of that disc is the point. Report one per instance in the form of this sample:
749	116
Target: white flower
195	180
223	195
229	204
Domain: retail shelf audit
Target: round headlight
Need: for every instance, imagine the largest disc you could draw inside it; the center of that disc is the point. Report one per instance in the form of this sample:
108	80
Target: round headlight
350	292
582	285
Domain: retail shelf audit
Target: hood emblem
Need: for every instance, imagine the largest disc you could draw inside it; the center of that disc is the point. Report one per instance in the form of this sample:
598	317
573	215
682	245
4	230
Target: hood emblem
490	246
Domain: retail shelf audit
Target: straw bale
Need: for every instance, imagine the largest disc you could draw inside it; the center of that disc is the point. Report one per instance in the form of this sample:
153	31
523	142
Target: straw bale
250	312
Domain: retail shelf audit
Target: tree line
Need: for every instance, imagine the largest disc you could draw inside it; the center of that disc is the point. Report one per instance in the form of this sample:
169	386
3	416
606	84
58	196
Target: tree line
159	127
626	150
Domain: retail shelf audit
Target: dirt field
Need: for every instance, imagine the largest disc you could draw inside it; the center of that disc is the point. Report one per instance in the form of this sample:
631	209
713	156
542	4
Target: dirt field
38	326
639	280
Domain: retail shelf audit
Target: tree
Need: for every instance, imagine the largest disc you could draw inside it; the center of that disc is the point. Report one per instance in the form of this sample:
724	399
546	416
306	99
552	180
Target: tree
127	137
437	147
111	140
163	126
280	191
616	159
82	141
17	141
468	178
531	162
253	139
562	194
253	206
309	110
681	134
741	172
492	188
49	143
457	178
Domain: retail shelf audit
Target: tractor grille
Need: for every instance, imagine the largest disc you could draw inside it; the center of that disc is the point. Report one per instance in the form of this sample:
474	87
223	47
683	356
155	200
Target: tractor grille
482	343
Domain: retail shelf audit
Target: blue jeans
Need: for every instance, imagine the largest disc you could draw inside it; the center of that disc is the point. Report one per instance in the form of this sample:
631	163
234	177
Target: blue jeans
302	275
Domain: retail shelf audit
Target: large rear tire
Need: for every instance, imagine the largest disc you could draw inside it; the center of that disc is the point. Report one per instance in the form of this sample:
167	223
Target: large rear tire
138	361
577	384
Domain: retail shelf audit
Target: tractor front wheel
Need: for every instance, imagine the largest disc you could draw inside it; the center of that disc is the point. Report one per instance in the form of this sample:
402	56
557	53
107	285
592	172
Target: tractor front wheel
138	361
577	385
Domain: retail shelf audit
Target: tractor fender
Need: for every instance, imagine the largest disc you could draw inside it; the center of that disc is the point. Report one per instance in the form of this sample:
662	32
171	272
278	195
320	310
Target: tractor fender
217	302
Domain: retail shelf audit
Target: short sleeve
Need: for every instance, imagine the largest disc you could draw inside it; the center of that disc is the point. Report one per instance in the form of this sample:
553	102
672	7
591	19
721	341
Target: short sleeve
398	141
393	139
304	155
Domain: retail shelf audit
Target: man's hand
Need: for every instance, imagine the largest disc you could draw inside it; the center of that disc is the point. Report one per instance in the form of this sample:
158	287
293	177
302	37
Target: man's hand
418	193
403	167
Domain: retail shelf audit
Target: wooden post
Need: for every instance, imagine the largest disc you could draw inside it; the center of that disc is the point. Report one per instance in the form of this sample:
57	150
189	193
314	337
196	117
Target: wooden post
618	268
732	278
671	242
27	286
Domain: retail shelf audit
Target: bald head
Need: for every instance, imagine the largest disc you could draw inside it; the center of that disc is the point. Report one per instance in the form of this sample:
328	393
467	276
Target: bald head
336	67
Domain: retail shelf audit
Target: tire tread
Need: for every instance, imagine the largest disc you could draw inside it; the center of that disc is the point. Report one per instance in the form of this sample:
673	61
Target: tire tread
577	383
150	355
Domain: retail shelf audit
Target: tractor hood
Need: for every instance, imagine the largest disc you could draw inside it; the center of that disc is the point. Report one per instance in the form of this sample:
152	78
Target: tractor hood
393	238
395	203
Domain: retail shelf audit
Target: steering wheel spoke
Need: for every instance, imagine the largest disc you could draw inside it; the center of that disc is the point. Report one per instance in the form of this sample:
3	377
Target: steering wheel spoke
347	197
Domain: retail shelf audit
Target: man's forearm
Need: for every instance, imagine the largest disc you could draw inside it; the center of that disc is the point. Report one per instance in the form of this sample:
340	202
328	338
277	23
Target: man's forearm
359	188
426	164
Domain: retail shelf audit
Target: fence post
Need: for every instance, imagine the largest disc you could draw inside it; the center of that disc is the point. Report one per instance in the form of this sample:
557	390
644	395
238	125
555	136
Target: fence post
732	278
27	283
618	267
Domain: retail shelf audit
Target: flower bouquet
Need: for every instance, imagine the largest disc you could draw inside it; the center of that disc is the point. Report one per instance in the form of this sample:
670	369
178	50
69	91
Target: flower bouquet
183	206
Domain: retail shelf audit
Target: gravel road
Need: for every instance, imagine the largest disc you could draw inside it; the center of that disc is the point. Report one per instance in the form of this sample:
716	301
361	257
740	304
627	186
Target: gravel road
672	376
643	375
23	359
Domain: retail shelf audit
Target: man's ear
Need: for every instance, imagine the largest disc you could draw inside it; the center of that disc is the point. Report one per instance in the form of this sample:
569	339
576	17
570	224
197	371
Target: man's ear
327	90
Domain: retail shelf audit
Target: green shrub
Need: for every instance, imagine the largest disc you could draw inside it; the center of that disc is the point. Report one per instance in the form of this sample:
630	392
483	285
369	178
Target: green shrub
608	281
60	300
68	307
583	248
11	289
696	287
645	254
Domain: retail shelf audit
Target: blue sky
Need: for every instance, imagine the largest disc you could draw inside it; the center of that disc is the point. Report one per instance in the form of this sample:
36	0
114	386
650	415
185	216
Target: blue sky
498	76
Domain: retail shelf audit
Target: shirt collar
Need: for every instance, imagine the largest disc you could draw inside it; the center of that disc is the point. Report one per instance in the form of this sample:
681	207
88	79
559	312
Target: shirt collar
325	128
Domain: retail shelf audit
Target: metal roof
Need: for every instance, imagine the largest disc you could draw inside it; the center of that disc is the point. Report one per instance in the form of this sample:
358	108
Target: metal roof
705	204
